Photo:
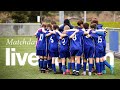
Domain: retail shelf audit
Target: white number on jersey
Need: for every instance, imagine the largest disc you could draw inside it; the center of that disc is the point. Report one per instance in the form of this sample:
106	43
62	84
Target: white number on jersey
74	37
99	39
41	37
63	41
51	40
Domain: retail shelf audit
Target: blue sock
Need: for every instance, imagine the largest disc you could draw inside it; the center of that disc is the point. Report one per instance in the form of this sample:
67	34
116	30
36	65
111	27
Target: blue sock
90	67
107	64
73	66
98	67
78	67
101	67
84	66
60	67
69	65
45	64
53	67
41	63
49	63
63	68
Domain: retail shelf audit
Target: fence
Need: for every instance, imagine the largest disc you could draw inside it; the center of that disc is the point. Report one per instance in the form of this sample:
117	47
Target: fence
28	29
113	41
18	29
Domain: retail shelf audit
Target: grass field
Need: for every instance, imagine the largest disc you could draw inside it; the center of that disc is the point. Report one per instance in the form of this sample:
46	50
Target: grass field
31	72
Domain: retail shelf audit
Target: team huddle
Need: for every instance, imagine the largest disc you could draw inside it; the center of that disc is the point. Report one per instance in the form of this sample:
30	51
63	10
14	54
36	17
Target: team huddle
74	46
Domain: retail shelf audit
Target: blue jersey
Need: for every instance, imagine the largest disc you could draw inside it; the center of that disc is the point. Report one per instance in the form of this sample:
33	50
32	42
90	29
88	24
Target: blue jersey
99	26
98	41
75	43
41	45
64	44
53	43
88	42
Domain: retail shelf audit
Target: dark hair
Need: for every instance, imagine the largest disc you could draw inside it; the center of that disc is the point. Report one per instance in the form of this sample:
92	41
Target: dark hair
53	22
86	25
93	25
94	21
79	22
49	25
43	25
66	22
55	27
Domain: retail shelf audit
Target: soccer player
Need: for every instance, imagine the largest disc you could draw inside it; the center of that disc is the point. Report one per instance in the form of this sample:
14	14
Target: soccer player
75	48
66	22
104	62
64	50
88	50
98	48
53	46
80	27
49	59
41	49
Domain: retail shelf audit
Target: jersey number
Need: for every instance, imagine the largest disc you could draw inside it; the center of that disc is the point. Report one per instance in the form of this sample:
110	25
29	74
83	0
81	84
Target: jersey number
74	37
51	40
63	41
41	37
99	39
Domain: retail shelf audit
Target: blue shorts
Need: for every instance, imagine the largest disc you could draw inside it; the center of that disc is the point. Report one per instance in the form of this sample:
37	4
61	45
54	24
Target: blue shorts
65	54
54	54
41	53
104	52
98	54
89	52
76	53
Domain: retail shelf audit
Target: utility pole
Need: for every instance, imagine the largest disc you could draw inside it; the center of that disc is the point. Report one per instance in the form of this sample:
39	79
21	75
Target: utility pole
84	16
61	17
41	17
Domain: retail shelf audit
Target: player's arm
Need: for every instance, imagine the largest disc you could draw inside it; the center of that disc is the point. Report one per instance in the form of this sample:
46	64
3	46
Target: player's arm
50	33
61	34
72	36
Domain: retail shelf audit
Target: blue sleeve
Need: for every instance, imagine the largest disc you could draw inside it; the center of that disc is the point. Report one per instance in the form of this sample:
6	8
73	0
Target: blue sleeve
38	34
81	33
69	33
100	33
61	28
58	36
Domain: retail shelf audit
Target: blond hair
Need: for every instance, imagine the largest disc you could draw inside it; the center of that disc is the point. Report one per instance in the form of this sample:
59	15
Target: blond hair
66	27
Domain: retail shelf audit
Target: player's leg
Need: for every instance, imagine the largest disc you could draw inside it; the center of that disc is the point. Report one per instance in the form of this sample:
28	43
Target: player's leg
52	54
90	58
49	61
72	54
78	54
98	66
60	65
63	66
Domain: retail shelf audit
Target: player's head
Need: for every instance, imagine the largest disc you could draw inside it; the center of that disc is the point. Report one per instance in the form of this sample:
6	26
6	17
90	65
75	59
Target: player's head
55	27
44	25
85	25
49	26
66	27
66	22
80	23
93	26
53	22
94	20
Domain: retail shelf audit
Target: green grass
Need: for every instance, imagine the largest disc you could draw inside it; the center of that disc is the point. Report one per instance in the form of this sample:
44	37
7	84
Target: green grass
31	72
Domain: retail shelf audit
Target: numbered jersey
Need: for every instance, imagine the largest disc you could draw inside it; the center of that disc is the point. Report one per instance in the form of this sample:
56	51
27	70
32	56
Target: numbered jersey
41	45
64	44
88	42
76	42
98	41
53	43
